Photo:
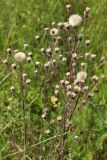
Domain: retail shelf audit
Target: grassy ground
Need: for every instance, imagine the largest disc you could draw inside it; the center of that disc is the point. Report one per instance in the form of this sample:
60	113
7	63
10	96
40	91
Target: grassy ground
22	20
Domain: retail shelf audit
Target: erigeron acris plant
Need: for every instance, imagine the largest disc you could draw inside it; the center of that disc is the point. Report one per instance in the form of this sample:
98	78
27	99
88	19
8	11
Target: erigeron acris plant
52	90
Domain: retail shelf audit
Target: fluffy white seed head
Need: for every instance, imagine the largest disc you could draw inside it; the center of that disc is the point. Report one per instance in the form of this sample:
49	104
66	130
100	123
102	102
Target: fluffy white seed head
81	76
75	20
20	56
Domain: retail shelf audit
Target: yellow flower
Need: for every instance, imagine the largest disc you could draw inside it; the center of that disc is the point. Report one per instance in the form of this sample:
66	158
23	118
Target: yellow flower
9	108
54	101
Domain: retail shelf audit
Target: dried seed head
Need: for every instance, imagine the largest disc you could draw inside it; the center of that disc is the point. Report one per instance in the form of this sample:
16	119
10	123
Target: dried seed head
47	131
36	71
87	9
53	24
46	30
14	66
81	76
12	88
24	76
57	86
69	87
73	95
93	56
20	56
80	37
26	46
64	59
54	61
87	55
82	65
5	61
16	51
77	89
56	92
90	95
49	51
74	56
37	64
54	32
95	78
37	38
42	50
9	50
62	82
102	59
56	49
52	121
67	83
28	81
30	54
60	25
85	88
68	74
87	43
47	65
68	93
66	26
59	118
28	59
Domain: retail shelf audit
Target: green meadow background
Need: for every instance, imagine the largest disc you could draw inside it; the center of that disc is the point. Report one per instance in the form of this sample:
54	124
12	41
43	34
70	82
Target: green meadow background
22	20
